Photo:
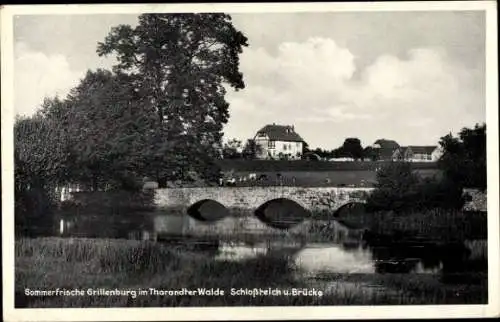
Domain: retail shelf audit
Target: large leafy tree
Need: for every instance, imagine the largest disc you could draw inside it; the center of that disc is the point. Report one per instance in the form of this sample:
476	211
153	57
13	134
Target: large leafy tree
181	63
251	150
464	157
40	147
108	128
351	149
40	164
370	153
232	149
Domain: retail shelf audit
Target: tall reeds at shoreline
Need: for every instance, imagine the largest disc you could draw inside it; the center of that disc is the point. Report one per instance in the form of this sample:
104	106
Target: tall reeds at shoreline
69	263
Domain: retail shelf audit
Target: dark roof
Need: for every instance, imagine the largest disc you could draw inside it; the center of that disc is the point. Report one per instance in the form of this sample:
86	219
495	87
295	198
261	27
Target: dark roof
387	144
401	150
385	154
423	149
281	133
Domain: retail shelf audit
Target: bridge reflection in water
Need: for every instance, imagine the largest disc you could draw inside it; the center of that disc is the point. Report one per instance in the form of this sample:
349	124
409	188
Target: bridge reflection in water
282	227
319	246
277	219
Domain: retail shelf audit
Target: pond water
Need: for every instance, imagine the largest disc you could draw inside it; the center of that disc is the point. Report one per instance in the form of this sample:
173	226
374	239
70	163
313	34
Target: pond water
346	269
319	258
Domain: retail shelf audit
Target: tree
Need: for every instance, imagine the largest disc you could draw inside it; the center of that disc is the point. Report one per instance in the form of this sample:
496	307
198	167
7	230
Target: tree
352	148
181	63
251	149
305	148
400	189
464	157
370	153
320	152
109	128
40	147
40	158
232	149
394	188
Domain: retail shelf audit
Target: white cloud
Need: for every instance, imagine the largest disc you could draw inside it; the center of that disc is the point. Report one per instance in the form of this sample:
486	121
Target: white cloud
38	75
318	86
414	100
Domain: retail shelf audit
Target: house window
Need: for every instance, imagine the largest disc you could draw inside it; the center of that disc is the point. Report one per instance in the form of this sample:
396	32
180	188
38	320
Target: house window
284	147
271	144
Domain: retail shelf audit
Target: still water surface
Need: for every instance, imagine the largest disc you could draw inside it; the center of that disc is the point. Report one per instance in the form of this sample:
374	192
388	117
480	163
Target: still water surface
329	266
331	258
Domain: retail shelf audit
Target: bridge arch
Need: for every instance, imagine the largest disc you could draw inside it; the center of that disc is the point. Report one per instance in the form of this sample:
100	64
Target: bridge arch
350	208
281	213
208	210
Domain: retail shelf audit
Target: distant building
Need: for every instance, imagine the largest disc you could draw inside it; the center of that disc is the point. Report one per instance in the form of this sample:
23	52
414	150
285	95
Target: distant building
278	142
414	153
385	149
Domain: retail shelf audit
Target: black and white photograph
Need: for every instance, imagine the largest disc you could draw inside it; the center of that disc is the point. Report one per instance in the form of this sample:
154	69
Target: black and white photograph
250	160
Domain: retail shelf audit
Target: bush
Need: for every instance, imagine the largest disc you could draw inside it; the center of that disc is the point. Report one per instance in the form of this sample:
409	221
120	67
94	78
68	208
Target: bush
33	212
399	189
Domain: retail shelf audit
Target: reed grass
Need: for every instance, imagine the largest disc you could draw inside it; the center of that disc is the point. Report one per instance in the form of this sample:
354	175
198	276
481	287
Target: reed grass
50	263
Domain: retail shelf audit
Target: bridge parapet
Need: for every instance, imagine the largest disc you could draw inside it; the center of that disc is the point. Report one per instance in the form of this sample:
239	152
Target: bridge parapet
331	198
311	198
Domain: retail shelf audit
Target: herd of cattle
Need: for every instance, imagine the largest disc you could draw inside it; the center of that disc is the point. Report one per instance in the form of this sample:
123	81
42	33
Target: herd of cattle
251	177
273	179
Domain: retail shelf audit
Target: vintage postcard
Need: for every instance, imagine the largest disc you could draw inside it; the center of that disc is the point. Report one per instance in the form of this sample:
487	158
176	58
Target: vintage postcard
250	161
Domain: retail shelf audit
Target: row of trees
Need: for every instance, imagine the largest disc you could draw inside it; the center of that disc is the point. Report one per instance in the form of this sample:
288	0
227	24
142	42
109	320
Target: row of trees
235	149
351	148
158	113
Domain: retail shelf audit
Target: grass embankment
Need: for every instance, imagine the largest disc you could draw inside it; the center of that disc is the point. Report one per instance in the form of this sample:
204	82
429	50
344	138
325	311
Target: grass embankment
51	263
305	165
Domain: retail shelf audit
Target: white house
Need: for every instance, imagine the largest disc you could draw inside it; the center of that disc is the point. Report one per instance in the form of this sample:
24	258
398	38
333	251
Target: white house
418	153
278	142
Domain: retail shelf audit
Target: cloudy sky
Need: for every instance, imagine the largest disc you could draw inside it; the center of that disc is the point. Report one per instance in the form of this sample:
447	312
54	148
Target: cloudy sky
408	76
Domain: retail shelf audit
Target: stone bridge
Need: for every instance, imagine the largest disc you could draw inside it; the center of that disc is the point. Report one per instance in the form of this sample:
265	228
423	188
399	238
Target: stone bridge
175	206
238	209
317	198
254	211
